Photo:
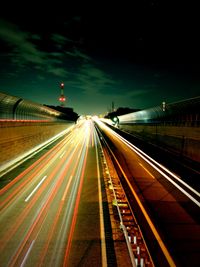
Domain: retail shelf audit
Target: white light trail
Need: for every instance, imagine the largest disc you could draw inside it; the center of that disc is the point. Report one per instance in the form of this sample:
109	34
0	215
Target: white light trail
162	167
5	168
153	163
165	175
27	253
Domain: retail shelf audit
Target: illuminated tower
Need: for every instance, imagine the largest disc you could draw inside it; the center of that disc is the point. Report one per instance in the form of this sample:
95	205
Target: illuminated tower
62	98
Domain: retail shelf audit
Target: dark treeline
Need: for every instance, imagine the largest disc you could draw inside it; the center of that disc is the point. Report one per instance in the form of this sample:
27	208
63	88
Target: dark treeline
67	113
120	111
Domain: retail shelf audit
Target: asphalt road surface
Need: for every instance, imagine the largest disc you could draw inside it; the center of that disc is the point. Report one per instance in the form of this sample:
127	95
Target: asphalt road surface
51	214
166	207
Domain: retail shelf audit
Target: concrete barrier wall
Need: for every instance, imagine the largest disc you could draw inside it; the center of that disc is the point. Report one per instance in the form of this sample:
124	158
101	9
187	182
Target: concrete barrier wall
17	138
184	141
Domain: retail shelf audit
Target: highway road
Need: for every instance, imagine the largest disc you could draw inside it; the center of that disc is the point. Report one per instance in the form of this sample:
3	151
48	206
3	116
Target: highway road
166	207
51	213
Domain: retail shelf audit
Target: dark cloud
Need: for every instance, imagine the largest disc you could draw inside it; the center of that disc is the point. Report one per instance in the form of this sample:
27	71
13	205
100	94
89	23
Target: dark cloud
60	39
78	54
23	51
93	79
134	53
86	77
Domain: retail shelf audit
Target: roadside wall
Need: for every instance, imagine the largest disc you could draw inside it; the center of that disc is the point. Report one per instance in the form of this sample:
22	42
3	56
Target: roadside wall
17	138
184	141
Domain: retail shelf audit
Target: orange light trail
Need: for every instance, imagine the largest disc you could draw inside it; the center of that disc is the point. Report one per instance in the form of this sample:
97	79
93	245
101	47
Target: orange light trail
41	204
30	205
75	211
43	160
43	253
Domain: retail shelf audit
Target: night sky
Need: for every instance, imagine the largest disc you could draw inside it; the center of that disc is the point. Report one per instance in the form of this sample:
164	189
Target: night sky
136	54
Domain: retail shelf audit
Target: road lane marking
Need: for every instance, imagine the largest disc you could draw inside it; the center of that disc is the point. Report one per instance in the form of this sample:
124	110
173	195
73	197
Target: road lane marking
35	189
150	160
153	228
148	219
67	188
76	197
147	170
62	154
168	178
17	161
138	151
